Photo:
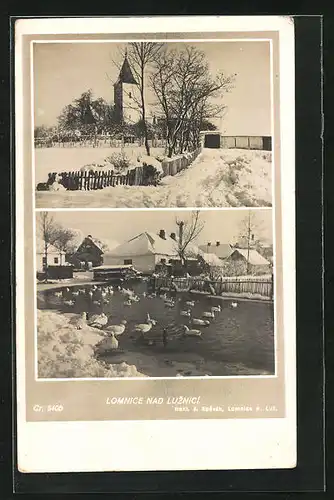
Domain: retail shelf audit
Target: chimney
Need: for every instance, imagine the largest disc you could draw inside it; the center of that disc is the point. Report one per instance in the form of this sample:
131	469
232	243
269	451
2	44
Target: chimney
173	236
162	234
217	243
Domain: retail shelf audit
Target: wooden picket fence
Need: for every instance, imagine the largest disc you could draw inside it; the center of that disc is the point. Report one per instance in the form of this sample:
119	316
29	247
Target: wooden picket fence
88	181
253	286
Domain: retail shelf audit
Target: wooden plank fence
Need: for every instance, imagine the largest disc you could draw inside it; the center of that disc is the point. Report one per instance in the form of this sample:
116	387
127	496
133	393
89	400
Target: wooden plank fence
88	181
256	286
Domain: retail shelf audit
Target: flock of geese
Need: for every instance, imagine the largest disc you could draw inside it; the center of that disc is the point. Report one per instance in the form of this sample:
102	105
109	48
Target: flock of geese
100	295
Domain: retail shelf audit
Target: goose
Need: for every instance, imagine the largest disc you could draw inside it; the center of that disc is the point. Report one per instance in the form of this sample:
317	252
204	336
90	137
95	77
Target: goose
58	294
108	344
105	301
143	327
149	320
96	302
80	322
216	308
127	303
116	329
144	294
190	303
75	294
170	304
185	313
111	292
135	298
208	314
98	320
201	322
67	289
90	293
234	304
69	303
82	291
163	296
169	299
191	332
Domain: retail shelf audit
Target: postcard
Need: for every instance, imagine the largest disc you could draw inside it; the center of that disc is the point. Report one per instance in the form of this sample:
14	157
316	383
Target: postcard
155	254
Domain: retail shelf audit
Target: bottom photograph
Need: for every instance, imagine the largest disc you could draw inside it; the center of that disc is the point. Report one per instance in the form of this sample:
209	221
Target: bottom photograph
154	293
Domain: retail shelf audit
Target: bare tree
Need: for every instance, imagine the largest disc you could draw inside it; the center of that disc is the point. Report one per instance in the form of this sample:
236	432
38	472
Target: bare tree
140	56
249	234
63	239
48	231
188	232
187	94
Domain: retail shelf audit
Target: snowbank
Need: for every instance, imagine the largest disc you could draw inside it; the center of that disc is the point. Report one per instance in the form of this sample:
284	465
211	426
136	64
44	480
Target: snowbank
66	352
217	178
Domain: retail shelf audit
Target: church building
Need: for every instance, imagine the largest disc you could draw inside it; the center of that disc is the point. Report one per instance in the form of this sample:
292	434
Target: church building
126	96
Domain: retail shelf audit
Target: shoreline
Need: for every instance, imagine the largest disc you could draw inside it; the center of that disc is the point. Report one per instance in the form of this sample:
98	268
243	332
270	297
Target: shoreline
41	287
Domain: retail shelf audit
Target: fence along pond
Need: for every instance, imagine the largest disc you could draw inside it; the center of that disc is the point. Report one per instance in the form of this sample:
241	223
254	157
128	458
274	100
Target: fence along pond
255	286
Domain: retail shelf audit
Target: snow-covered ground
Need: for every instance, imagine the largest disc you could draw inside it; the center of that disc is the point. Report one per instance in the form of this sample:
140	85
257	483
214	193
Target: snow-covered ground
217	178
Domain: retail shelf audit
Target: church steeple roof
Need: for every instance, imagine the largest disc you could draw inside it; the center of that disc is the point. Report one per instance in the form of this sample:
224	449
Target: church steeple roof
126	75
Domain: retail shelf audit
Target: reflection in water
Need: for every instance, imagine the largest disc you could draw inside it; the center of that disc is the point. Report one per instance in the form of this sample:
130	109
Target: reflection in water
239	340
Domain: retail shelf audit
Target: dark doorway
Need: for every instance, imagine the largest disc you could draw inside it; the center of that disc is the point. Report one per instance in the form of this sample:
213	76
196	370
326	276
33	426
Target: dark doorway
267	143
212	141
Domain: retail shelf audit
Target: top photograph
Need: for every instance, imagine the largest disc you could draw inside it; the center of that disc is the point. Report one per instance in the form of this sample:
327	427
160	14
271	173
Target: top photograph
152	124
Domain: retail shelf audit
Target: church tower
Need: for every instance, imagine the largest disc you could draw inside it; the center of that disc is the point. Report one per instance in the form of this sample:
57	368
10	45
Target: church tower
126	95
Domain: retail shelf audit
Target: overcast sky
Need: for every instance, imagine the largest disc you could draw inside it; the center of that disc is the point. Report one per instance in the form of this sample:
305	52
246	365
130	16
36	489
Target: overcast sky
120	226
62	71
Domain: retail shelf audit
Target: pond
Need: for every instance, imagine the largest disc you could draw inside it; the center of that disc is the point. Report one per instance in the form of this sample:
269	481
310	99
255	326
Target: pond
238	341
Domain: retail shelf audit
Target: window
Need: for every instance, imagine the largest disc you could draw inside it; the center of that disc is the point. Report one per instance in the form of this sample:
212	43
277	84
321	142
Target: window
127	262
44	260
163	261
130	95
55	260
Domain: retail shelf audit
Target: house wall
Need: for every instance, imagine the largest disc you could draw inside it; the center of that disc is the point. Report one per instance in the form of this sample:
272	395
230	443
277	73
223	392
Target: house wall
245	142
143	263
52	256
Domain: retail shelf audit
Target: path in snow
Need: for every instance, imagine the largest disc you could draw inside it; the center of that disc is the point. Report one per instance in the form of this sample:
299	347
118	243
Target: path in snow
217	178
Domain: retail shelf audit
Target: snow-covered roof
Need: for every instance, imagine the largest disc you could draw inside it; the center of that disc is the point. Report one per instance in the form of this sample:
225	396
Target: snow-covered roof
211	259
103	245
222	251
255	259
143	244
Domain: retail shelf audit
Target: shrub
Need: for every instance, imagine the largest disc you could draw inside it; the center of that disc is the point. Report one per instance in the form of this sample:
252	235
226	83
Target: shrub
120	161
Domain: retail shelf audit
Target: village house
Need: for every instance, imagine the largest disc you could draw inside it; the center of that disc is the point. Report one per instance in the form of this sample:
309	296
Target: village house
251	260
54	257
90	252
144	251
220	250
